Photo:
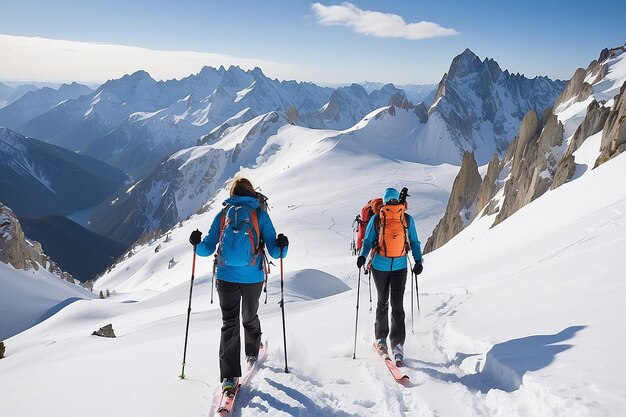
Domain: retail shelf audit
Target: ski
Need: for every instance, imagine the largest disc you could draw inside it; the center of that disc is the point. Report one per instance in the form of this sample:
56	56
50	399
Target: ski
227	401
398	375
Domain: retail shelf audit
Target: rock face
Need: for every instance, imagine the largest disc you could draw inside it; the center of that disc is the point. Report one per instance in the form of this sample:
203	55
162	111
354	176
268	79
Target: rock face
614	133
593	123
106	331
540	158
576	88
482	105
533	166
460	209
21	253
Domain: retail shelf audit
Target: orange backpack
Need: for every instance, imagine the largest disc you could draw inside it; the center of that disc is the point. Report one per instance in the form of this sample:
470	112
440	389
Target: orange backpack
393	238
367	212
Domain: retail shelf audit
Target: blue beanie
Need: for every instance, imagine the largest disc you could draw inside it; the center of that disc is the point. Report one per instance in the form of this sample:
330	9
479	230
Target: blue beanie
390	194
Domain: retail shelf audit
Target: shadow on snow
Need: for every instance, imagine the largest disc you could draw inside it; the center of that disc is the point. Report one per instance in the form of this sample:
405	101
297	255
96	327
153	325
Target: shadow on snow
507	362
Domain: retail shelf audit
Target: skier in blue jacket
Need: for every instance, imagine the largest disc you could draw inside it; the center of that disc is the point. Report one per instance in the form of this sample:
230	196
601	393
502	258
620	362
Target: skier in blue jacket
389	269
239	287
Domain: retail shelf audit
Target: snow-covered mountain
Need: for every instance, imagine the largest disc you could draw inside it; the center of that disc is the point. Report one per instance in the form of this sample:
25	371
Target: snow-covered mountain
182	184
402	131
39	179
145	138
521	319
479	107
348	105
33	287
583	130
37	102
134	122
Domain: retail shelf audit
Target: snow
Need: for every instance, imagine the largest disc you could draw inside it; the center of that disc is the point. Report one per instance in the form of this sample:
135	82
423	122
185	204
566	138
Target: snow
40	294
498	333
520	319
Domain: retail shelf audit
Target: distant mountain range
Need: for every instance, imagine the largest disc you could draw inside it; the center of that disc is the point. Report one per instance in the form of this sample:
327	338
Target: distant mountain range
134	122
477	107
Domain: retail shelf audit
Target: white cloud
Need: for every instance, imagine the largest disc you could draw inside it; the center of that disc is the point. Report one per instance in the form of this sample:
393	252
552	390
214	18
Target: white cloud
381	25
42	59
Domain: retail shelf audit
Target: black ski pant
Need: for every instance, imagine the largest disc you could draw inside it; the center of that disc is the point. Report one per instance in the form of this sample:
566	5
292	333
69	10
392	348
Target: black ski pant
390	285
232	296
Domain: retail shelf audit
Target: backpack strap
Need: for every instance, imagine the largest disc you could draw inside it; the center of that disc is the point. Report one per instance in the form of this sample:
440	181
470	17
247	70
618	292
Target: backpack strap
407	245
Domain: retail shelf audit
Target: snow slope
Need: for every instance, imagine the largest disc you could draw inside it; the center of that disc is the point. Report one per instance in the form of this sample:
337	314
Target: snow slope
518	320
41	294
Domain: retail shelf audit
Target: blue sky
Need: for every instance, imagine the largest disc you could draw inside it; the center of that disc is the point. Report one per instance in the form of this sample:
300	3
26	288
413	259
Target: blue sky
532	37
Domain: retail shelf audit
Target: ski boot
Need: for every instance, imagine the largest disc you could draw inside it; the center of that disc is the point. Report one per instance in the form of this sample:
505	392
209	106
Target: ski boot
229	385
398	355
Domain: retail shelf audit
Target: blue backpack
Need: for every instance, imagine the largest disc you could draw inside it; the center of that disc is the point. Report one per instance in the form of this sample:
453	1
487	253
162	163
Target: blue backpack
240	240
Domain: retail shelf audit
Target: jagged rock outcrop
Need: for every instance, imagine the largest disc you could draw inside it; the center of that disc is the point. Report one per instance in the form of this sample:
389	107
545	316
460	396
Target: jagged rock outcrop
21	253
577	87
614	134
489	187
594	122
460	209
534	164
539	158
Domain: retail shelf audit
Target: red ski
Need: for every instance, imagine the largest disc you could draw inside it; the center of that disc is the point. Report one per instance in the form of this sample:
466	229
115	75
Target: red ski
227	401
398	375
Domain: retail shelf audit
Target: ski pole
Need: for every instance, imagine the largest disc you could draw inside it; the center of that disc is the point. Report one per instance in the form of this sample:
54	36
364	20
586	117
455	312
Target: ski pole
417	293
412	307
369	284
213	277
282	306
356	325
193	269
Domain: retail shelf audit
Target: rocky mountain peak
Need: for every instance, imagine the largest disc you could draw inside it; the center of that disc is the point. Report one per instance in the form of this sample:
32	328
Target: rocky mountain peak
464	64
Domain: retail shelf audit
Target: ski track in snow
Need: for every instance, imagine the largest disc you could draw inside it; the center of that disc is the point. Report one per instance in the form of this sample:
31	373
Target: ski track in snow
438	360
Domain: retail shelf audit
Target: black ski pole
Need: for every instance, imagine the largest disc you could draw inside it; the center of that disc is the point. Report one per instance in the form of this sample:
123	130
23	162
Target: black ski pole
356	325
193	270
417	293
213	277
282	306
412	307
369	284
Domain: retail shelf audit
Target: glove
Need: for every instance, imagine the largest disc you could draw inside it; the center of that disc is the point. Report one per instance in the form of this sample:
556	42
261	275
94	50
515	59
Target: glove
195	237
360	261
418	268
282	241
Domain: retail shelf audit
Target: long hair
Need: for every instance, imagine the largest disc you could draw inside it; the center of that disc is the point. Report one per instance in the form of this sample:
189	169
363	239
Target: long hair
242	187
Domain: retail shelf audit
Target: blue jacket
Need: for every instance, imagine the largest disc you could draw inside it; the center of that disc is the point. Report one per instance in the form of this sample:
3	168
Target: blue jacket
382	263
242	274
